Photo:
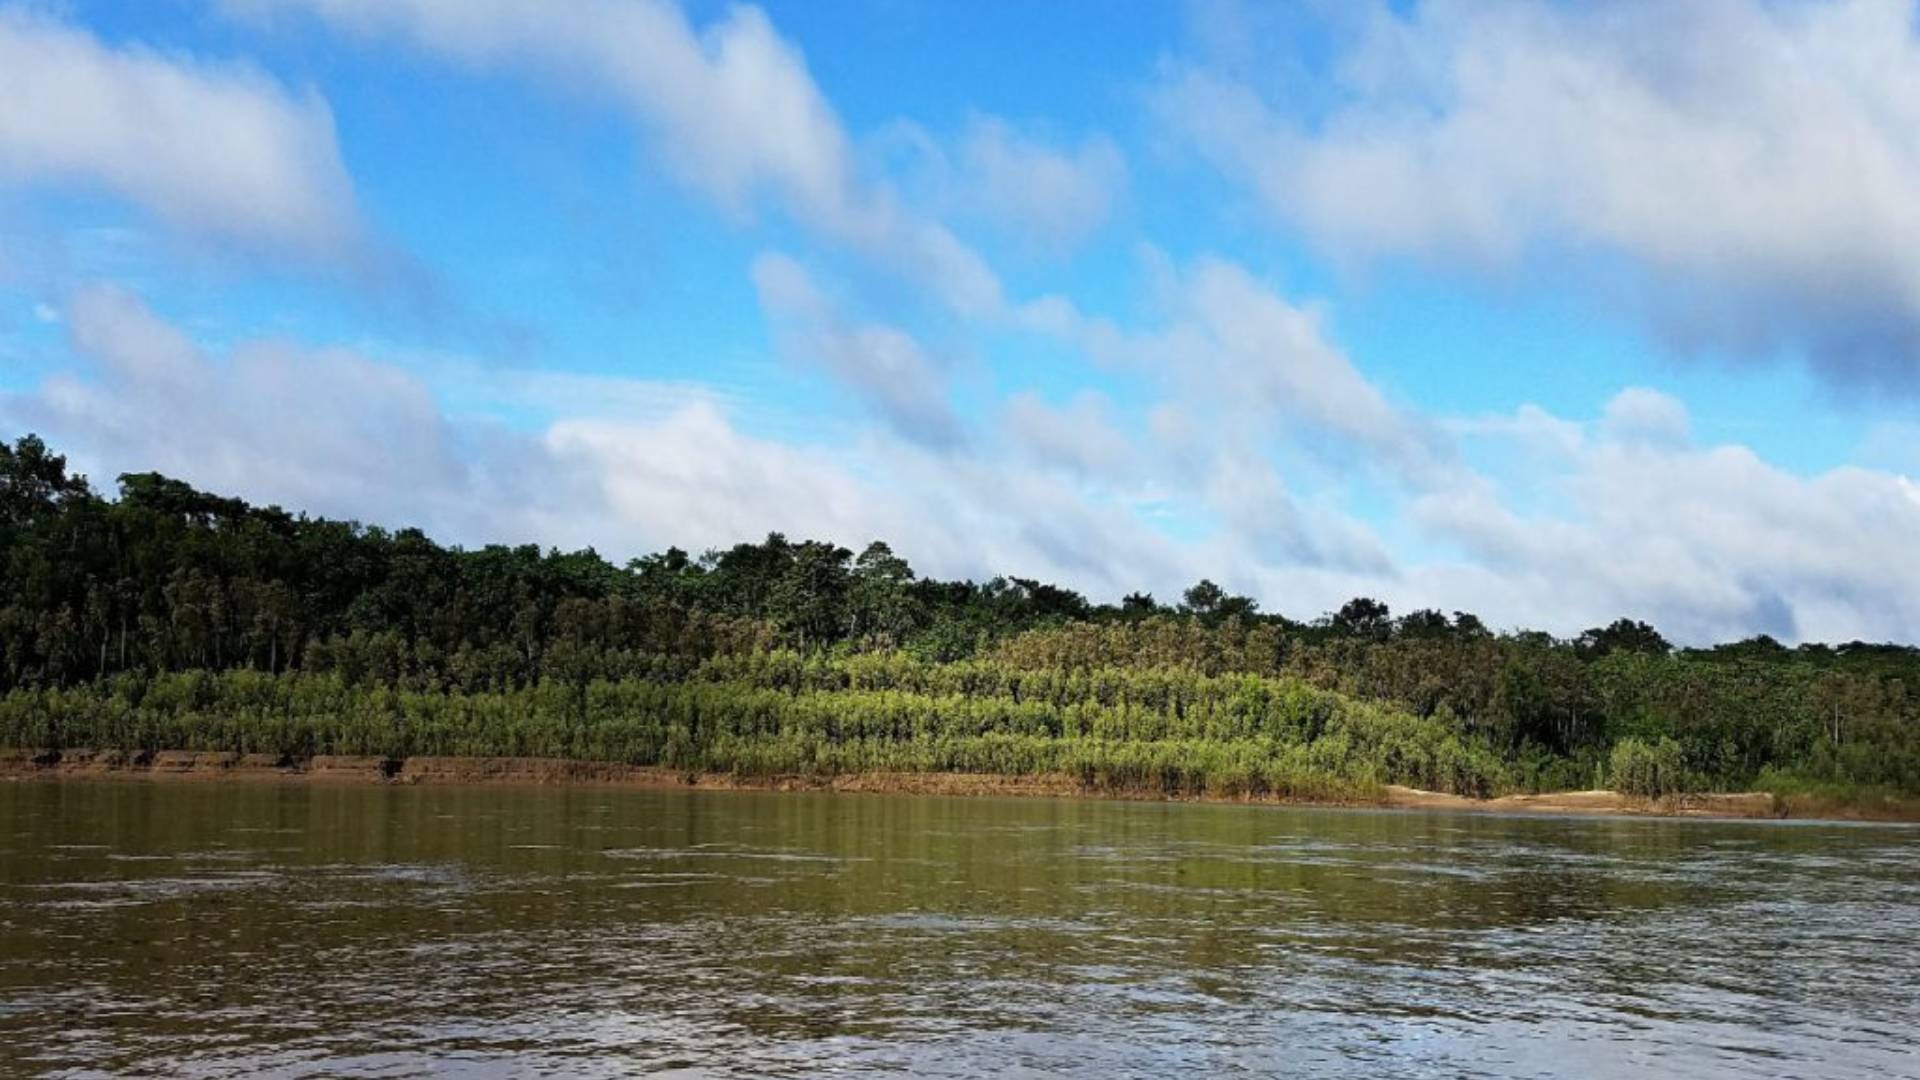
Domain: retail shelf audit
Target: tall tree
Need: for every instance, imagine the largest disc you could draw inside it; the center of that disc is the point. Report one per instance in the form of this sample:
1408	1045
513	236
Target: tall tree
34	482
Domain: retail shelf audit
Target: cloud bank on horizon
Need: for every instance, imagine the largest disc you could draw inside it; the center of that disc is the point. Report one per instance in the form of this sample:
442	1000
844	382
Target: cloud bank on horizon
1554	313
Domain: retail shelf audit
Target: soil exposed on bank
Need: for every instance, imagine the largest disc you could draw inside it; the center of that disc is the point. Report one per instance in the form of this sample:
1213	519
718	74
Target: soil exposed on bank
203	766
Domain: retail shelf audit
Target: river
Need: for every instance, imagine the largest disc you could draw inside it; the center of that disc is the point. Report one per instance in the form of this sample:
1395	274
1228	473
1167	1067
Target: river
245	929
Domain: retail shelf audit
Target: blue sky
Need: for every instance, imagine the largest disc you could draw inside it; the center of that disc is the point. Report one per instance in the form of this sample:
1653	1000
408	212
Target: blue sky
1553	312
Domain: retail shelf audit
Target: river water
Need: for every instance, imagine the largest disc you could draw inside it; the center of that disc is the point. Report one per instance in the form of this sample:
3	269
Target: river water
234	929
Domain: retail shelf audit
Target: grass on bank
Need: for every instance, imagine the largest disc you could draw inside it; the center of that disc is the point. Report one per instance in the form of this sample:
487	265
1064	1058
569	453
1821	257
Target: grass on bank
1162	732
1227	737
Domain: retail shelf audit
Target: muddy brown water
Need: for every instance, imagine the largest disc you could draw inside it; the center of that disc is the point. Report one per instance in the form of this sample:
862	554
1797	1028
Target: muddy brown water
306	930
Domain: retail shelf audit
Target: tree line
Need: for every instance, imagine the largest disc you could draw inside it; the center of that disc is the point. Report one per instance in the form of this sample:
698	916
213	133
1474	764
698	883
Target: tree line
162	579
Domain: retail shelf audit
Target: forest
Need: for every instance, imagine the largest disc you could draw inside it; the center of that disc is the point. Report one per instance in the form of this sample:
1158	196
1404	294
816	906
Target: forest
164	617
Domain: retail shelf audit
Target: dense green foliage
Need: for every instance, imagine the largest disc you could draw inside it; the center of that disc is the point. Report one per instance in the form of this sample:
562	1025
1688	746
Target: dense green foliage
1185	734
1640	769
171	618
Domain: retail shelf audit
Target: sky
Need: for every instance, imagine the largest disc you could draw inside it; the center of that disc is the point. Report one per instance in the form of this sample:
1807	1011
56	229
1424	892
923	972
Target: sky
1549	311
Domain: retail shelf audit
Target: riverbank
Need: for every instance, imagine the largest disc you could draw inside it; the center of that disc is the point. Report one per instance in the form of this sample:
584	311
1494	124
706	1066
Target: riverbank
202	766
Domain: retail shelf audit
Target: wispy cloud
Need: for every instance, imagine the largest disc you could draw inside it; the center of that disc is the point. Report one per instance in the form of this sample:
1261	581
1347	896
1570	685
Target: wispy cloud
220	151
884	367
1711	542
1707	541
1223	429
1058	194
1046	195
731	108
1749	165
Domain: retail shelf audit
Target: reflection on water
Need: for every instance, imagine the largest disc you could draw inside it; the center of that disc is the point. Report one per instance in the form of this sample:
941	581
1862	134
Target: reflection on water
231	929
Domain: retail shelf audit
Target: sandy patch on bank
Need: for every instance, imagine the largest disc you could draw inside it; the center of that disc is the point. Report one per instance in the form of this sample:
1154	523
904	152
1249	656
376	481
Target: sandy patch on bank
1745	804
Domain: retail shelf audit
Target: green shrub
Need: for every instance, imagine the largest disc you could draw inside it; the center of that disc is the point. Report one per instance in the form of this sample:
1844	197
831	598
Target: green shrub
1650	770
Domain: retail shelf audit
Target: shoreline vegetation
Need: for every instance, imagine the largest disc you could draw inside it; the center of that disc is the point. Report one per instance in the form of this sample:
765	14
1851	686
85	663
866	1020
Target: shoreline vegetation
872	722
170	621
195	766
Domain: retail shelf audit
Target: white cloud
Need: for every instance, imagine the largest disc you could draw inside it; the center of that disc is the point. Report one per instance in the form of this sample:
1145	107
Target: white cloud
1578	523
334	432
1706	542
1755	161
219	151
884	367
1247	346
690	478
732	107
1710	543
1250	379
1536	430
1273	529
696	481
1260	363
1057	195
324	429
1908	488
1638	414
1773	193
1081	439
1044	195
